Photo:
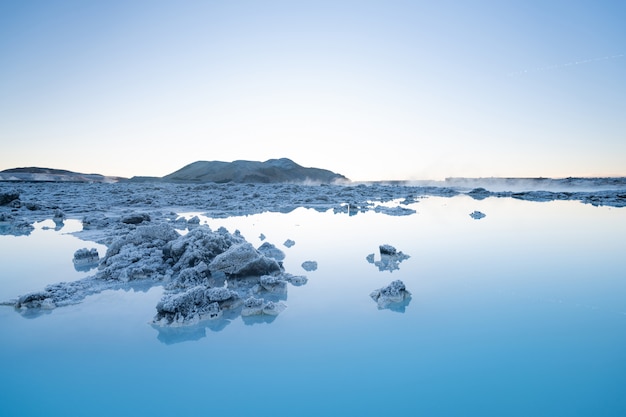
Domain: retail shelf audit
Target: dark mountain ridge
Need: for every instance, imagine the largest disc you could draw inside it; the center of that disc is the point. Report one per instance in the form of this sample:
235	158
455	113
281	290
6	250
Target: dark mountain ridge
240	171
281	170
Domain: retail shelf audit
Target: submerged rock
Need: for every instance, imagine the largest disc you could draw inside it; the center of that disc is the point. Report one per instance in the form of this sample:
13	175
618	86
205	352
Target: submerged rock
394	293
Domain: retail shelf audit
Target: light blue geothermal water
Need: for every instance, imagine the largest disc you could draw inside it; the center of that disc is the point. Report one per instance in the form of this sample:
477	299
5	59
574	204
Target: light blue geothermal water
519	313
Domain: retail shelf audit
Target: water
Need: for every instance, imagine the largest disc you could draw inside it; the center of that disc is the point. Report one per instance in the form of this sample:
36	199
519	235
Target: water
521	313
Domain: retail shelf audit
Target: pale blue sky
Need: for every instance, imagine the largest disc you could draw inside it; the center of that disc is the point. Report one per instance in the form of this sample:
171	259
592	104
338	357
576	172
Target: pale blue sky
370	89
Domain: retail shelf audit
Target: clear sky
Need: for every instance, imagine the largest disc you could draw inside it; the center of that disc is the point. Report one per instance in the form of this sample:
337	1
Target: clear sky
374	90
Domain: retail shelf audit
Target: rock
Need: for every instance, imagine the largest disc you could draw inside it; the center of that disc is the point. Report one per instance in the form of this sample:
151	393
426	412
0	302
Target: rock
242	259
85	255
258	306
309	265
477	215
394	211
135	218
6	198
289	243
271	251
390	258
273	284
86	259
195	304
394	293
387	250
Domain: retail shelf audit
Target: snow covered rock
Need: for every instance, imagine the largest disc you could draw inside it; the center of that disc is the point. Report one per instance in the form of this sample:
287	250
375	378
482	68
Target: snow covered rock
309	265
390	258
271	251
85	255
135	218
193	305
85	259
243	259
200	245
6	198
257	306
394	211
394	293
273	284
477	215
138	255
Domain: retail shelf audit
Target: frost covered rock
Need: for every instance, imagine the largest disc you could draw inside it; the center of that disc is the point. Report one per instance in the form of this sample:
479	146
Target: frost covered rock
477	215
6	198
289	243
390	258
394	211
295	280
309	265
273	284
138	255
257	306
243	259
271	251
85	259
60	294
200	245
387	250
85	255
10	225
394	293
41	299
91	222
135	218
195	304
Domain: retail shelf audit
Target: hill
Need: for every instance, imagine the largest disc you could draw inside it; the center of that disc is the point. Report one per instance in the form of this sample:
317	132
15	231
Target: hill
36	174
271	171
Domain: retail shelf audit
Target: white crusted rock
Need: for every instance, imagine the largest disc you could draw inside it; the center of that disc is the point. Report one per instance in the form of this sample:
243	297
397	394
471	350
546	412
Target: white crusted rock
394	293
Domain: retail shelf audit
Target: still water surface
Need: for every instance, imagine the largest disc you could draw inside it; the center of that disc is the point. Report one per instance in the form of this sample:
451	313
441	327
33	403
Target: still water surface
521	313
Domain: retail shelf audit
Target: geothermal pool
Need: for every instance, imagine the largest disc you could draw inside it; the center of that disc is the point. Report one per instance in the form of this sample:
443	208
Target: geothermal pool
518	313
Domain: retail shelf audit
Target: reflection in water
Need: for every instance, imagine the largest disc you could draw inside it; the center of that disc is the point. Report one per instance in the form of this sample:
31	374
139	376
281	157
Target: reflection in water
195	332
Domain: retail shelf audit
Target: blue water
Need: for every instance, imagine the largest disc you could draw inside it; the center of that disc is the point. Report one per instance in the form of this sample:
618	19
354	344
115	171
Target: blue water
521	313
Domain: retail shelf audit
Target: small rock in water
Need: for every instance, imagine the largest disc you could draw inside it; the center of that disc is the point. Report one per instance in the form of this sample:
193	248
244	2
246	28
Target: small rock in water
394	293
390	258
477	215
309	265
85	259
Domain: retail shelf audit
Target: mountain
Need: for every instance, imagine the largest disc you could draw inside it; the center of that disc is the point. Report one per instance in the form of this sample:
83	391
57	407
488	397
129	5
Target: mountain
35	174
270	171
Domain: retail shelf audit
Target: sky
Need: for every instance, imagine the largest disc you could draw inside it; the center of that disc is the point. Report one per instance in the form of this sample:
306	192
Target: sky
374	90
